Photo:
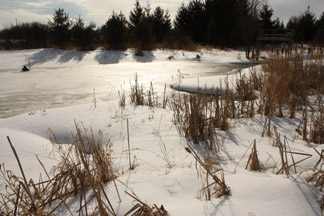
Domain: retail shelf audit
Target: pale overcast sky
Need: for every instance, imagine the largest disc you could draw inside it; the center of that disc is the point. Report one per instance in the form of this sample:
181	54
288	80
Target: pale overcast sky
100	10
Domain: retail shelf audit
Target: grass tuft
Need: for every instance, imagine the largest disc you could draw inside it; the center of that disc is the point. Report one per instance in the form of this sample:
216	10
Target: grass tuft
85	163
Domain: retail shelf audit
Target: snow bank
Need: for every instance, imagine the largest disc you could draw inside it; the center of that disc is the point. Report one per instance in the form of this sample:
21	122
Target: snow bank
258	193
171	179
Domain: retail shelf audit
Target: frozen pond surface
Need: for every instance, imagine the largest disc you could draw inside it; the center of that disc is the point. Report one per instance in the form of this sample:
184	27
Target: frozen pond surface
56	85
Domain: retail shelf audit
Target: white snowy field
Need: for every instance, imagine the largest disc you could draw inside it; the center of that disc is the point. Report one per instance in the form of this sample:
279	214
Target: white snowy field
68	74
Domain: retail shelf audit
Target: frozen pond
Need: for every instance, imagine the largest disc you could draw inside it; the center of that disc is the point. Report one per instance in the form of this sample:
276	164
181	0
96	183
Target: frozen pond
50	86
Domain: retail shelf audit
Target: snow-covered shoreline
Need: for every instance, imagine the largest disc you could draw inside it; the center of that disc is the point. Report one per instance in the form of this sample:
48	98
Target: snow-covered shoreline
53	57
176	188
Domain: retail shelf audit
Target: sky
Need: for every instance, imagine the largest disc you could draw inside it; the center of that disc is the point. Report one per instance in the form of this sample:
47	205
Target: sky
18	11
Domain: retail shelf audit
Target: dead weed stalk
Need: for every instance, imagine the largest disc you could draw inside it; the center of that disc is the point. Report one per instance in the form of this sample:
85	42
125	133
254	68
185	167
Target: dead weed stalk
253	161
288	82
218	183
318	172
143	209
150	98
85	163
285	151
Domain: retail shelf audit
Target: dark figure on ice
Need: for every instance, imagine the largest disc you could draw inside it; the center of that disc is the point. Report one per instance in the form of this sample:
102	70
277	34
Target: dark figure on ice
25	68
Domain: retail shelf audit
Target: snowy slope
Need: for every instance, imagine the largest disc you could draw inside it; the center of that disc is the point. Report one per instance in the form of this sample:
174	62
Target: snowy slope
151	129
252	192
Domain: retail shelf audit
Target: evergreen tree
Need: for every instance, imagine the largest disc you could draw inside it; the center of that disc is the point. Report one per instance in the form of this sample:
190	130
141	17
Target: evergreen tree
161	24
191	20
143	34
292	23
141	26
223	13
212	32
89	36
319	37
83	36
266	17
77	31
115	30
306	27
60	26
277	24
303	26
248	22
182	19
136	15
38	35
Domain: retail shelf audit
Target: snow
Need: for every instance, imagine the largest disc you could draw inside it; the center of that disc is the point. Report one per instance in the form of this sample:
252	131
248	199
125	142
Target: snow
153	180
71	77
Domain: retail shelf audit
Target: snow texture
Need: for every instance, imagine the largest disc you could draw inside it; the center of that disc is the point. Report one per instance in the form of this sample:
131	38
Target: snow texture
177	187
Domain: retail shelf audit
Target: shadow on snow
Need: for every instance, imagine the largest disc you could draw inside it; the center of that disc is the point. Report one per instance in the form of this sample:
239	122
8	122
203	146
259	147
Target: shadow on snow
60	56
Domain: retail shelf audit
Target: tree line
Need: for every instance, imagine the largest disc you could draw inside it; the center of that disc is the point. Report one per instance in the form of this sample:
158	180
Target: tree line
221	23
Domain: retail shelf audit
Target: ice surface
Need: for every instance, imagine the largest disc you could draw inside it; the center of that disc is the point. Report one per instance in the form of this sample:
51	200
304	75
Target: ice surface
62	78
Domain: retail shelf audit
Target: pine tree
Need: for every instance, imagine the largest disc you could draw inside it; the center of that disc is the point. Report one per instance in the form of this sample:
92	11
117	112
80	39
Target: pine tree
306	27
319	37
229	17
277	24
143	34
247	16
136	15
115	30
182	18
38	35
77	31
191	20
212	32
292	23
161	24
90	35
83	36
266	17
141	26
60	26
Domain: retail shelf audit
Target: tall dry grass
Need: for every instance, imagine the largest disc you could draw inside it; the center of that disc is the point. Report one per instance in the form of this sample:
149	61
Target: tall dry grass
85	164
289	85
200	115
145	98
214	184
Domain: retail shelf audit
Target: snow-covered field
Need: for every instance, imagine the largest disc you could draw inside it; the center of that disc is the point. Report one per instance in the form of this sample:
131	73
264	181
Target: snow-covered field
66	79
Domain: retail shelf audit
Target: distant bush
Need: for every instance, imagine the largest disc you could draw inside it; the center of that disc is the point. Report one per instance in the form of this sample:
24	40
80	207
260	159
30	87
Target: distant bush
25	36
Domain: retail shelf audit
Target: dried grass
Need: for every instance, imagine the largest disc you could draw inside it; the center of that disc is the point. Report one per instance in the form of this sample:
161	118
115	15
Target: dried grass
285	151
198	116
142	209
218	183
253	161
85	163
318	173
150	98
288	82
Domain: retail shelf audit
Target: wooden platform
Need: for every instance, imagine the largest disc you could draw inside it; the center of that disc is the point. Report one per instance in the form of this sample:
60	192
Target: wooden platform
275	35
